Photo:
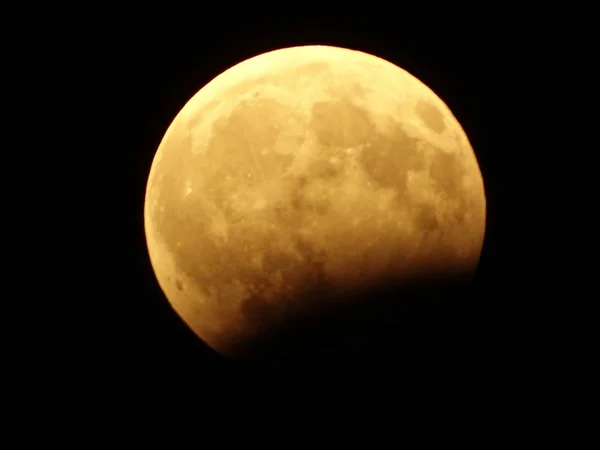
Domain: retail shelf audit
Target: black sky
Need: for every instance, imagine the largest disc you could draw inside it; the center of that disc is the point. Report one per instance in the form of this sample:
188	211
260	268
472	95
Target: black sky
472	64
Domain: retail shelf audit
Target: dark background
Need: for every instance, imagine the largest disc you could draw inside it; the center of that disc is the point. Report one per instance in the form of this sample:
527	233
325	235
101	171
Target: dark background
474	63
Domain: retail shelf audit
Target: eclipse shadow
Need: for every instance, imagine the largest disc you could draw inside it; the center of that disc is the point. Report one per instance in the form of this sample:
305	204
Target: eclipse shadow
424	323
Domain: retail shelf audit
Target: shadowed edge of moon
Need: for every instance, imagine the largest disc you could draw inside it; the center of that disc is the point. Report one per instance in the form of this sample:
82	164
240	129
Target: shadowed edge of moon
387	318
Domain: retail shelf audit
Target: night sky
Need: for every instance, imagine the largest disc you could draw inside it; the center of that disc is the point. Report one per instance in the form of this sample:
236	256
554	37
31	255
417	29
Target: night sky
466	63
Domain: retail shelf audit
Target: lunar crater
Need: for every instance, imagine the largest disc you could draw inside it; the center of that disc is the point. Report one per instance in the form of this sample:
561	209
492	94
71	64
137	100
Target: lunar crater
179	284
431	116
389	159
340	123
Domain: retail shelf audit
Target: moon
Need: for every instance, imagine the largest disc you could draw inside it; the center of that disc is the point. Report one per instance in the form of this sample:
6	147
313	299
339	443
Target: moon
300	177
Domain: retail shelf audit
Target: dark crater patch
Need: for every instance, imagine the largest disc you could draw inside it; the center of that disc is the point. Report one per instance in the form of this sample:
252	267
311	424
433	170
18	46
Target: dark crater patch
301	202
447	172
431	116
390	157
178	284
340	123
324	168
419	321
241	136
426	219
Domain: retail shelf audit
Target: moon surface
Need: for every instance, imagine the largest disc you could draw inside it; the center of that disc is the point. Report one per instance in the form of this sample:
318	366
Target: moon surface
299	177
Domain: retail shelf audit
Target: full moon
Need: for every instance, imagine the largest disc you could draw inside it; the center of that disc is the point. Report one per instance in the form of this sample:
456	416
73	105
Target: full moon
299	178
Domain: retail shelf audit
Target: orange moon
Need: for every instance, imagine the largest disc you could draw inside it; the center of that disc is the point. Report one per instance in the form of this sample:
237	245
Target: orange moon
300	176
